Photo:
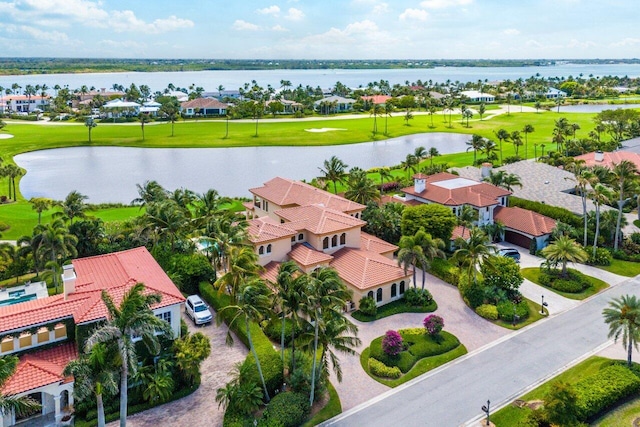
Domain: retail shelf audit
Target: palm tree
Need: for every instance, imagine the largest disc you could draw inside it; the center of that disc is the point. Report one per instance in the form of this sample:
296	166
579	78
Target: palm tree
253	304
516	140
466	217
623	173
143	118
94	375
473	251
411	254
285	294
489	149
511	180
12	172
409	164
243	265
149	192
171	110
431	109
132	318
167	220
526	130
40	204
74	206
385	173
54	243
475	144
433	152
375	111
334	171
227	232
585	179
481	110
388	111
90	124
431	248
360	188
564	249
623	318
600	195
21	405
502	135
420	153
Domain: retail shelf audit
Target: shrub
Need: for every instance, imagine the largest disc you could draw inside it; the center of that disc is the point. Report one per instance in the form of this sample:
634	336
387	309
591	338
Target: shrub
557	213
602	257
392	343
433	324
502	272
488	311
444	270
472	293
505	310
417	297
600	391
368	306
635	238
574	282
379	369
288	409
569	286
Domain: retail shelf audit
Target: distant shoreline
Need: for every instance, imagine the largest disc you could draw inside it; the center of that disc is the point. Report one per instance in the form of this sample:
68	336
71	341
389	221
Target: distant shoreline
27	66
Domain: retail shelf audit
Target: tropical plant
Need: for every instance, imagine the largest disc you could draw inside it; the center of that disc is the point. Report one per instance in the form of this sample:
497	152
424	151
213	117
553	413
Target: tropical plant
563	250
392	343
40	204
74	206
623	173
171	110
431	248
143	118
623	318
132	318
360	188
189	352
476	249
433	324
600	195
289	295
90	124
376	110
560	405
411	255
239	395
466	217
502	135
334	171
475	144
526	130
243	266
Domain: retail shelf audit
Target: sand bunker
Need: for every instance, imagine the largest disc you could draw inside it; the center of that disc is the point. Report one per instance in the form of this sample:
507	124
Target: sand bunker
5	136
316	130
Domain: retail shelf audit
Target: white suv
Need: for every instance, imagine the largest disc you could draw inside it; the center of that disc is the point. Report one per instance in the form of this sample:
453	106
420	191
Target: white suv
198	310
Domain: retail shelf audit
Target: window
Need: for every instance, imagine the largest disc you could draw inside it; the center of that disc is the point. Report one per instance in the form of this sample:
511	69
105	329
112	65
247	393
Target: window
402	287
394	290
325	243
43	335
379	295
266	206
166	316
60	331
25	340
343	238
282	221
334	241
370	294
269	248
293	239
261	250
6	345
300	236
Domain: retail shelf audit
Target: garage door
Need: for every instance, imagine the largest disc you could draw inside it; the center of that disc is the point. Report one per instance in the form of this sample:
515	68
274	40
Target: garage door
517	239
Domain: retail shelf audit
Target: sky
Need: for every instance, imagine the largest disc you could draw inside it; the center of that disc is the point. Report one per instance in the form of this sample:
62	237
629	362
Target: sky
320	29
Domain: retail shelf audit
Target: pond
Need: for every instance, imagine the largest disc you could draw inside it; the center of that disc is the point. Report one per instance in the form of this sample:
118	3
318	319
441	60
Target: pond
593	108
110	174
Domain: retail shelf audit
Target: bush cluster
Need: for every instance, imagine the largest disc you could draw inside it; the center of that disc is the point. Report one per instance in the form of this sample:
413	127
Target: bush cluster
433	324
444	270
368	306
602	257
417	297
392	343
557	213
287	409
574	282
487	311
600	391
379	369
505	310
472	293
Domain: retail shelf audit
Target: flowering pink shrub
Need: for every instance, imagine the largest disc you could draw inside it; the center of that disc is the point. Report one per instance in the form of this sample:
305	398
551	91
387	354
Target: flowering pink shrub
392	343
433	324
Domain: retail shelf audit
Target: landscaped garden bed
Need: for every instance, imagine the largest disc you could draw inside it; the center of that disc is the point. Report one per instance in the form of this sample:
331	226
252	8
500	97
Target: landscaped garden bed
422	303
574	285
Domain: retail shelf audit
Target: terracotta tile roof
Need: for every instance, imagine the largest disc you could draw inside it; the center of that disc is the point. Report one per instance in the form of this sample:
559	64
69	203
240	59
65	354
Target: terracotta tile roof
203	103
285	192
248	205
609	158
376	99
24	97
318	219
304	255
265	229
479	194
116	272
460	231
41	368
524	220
374	244
365	270
269	272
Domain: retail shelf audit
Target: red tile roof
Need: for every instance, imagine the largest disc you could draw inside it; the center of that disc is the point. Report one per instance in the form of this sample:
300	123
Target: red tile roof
204	103
41	368
270	272
318	219
524	220
374	244
306	256
480	194
460	231
609	158
116	273
285	192
376	99
265	229
365	270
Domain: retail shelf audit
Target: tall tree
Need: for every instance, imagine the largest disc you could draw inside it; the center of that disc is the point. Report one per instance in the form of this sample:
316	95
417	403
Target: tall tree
473	251
526	130
475	143
360	188
623	318
335	170
171	110
388	111
433	152
411	255
243	266
623	173
40	204
143	118
133	317
564	249
431	248
502	135
74	206
375	111
600	195
90	124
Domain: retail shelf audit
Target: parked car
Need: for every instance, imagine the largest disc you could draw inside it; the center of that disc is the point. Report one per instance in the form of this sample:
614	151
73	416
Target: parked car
198	310
511	253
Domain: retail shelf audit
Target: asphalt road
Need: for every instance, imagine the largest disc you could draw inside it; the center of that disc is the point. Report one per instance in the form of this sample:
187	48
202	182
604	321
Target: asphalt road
453	395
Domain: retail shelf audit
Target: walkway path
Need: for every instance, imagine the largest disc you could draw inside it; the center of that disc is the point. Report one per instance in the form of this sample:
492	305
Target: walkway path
200	408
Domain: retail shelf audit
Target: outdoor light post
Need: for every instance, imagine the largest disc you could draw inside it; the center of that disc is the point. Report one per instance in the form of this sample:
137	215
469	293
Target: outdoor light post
486	409
544	304
515	316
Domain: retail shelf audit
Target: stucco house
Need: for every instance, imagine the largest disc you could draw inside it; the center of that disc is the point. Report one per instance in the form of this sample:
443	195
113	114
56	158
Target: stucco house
292	220
25	104
553	93
45	332
475	96
609	159
204	106
334	104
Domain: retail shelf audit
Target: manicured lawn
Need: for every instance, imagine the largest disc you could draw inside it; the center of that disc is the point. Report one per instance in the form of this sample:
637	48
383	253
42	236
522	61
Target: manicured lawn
331	409
533	274
395	307
511	415
623	415
534	316
623	268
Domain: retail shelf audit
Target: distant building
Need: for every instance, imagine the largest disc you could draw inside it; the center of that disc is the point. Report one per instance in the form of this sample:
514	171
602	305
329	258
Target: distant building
334	104
204	107
553	93
475	96
25	104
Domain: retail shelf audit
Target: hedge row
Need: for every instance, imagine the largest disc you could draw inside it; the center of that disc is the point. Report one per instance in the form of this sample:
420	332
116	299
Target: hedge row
379	369
557	213
269	358
602	390
574	282
444	270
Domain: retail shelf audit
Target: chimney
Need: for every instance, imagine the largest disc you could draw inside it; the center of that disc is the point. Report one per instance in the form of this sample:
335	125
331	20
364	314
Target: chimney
68	280
485	169
598	156
419	182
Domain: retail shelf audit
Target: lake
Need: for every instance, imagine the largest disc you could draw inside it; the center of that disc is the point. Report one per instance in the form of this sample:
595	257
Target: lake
210	80
594	108
110	174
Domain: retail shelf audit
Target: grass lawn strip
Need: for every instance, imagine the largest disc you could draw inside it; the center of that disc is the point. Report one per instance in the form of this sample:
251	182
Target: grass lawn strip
395	307
623	415
622	268
331	409
533	273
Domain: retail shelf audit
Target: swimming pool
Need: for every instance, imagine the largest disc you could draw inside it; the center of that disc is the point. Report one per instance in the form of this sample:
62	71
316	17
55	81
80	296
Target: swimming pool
18	299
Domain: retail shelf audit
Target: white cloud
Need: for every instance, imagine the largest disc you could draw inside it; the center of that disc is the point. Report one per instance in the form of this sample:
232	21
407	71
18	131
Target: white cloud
365	26
533	43
629	41
380	9
414	14
240	25
48	36
574	43
172	23
271	10
511	32
126	44
442	4
294	14
279	29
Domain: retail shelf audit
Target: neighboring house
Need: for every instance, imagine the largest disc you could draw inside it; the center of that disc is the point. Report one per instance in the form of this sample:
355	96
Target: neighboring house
25	104
375	100
296	221
609	159
81	99
553	93
204	107
489	201
289	106
334	104
475	96
45	332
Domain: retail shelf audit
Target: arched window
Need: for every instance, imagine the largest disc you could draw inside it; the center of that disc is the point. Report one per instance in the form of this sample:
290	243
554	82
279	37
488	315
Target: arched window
343	238
402	287
261	250
334	241
293	239
379	295
325	243
300	236
269	248
394	290
370	294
